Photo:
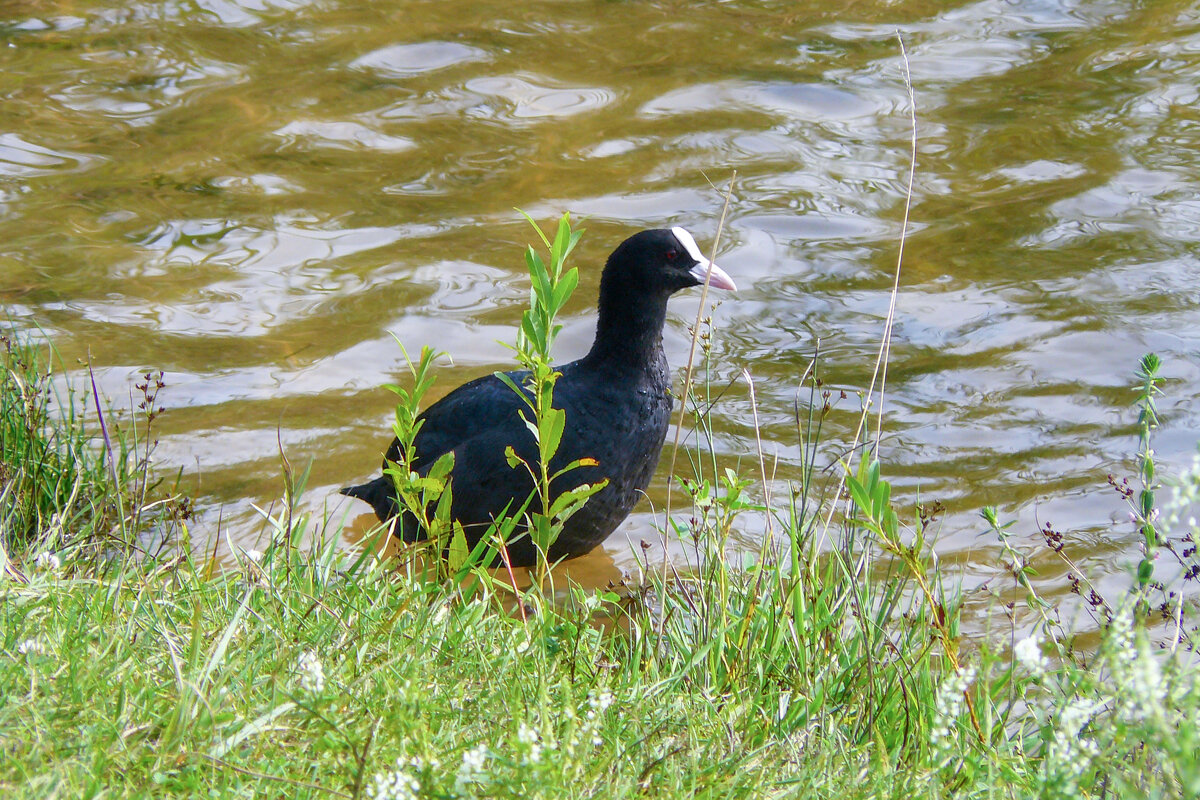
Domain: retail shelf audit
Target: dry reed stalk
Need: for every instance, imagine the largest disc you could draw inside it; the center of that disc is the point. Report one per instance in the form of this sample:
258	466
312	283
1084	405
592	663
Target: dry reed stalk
687	380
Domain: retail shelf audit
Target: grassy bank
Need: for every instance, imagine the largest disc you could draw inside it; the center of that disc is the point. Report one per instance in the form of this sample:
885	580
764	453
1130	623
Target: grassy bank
815	672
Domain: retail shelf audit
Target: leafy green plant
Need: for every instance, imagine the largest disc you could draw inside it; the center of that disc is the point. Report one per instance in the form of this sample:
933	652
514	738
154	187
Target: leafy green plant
425	497
551	285
1145	512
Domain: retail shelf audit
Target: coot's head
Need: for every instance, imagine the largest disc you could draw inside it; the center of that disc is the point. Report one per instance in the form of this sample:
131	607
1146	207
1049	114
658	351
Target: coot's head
662	261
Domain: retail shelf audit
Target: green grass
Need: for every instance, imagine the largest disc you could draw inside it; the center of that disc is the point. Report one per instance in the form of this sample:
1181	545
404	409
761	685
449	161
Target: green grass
816	670
60	492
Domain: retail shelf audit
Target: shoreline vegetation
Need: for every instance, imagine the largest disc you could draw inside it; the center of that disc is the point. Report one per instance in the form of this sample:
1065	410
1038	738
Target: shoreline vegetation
829	663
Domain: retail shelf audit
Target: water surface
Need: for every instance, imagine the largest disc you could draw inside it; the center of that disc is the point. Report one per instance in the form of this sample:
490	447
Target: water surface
254	196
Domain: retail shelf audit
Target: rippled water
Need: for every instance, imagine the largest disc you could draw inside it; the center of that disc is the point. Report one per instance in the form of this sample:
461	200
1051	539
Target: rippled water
253	196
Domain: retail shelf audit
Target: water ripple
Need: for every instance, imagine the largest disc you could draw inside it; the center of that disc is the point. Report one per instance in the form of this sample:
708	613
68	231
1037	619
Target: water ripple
24	159
254	193
406	60
520	98
343	135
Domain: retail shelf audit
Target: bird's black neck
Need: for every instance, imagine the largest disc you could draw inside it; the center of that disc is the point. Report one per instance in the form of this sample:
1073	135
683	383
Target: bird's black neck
629	331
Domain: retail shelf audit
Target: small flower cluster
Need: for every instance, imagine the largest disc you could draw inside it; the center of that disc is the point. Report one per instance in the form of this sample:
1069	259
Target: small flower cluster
471	771
310	672
404	780
48	562
396	784
948	707
1029	655
529	742
1145	688
597	705
1141	689
1072	751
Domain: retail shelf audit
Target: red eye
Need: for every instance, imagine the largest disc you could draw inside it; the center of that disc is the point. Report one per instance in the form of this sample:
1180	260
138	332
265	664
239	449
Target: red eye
671	254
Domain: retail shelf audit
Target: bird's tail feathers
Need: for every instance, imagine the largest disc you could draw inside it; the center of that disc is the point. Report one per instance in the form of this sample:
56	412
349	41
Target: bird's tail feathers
379	493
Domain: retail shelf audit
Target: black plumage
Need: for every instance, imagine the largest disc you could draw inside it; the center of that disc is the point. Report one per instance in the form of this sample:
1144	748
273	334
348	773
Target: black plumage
617	405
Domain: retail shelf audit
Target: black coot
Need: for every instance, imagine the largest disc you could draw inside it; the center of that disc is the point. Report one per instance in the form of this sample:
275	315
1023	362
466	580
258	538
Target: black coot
616	399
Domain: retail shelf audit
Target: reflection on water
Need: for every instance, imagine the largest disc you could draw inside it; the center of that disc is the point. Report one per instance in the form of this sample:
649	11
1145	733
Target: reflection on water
253	196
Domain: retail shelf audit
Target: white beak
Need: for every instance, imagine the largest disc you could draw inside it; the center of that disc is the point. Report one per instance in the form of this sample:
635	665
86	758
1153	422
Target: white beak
708	272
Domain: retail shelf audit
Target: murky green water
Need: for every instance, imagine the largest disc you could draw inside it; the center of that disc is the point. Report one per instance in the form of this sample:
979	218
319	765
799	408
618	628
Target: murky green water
252	196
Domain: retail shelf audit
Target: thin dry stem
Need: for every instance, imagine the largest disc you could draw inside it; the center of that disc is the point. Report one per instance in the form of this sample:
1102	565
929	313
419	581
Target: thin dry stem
762	462
882	364
880	372
687	377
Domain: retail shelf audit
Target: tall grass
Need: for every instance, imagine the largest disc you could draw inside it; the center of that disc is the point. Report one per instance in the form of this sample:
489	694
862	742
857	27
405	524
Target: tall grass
59	492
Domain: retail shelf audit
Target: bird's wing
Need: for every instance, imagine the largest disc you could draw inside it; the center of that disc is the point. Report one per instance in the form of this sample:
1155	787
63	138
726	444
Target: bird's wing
484	483
475	408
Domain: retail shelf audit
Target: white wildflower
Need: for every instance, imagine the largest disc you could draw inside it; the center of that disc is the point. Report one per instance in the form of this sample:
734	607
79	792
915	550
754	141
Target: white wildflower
394	785
1135	670
1074	717
254	555
1119	642
420	764
473	760
31	647
1072	751
599	703
1029	653
48	562
1141	680
312	674
530	742
1146	678
526	735
471	771
948	706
